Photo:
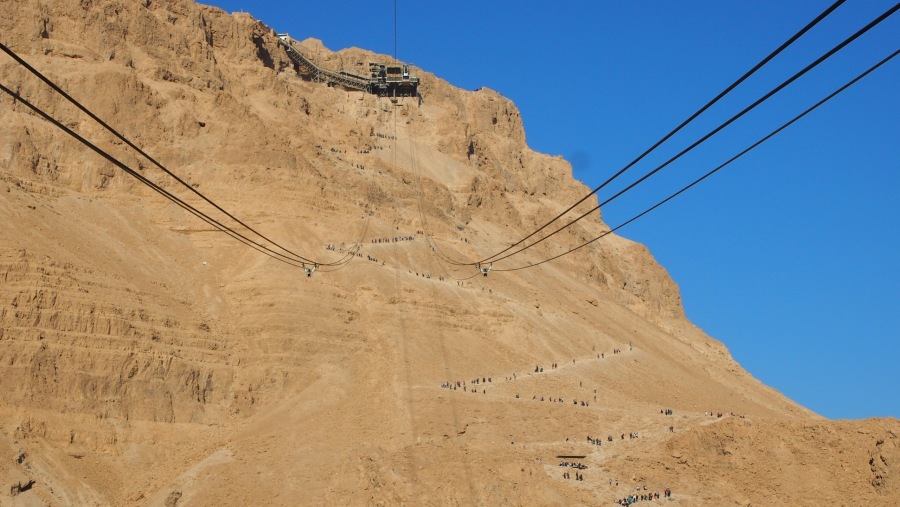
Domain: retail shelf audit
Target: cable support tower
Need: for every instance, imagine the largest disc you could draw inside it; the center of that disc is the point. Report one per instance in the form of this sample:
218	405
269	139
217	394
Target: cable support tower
715	170
825	56
700	111
152	160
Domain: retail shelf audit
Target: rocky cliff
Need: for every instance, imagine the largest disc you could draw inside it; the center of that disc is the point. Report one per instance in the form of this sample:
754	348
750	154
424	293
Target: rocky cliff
150	359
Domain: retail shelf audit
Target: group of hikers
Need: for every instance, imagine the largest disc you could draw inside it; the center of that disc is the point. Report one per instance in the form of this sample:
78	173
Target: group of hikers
461	384
477	384
578	476
558	400
609	438
721	414
395	239
537	369
640	497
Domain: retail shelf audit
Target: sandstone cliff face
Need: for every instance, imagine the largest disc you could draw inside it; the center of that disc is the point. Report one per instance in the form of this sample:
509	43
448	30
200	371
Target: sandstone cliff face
150	360
195	66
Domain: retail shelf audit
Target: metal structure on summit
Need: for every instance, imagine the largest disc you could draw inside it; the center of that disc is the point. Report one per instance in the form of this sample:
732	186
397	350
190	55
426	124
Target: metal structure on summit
386	80
392	81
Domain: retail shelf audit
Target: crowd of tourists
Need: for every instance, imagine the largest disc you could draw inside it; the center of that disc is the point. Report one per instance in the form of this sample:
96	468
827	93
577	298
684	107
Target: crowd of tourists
472	384
395	239
643	496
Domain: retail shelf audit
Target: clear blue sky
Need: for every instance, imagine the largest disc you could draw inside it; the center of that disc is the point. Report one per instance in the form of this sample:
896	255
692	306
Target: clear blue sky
790	255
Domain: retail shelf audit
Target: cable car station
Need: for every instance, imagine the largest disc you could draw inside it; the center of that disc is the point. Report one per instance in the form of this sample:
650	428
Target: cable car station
386	80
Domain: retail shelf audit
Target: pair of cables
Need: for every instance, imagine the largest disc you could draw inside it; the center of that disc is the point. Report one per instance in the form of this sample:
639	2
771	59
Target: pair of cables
252	238
721	166
502	254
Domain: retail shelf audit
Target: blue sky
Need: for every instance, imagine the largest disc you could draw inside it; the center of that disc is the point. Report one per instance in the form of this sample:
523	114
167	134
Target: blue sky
790	255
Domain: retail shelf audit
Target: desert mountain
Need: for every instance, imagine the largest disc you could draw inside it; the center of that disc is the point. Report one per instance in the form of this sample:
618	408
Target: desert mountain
150	359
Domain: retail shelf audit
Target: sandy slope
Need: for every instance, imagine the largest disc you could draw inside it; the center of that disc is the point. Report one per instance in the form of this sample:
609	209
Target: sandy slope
149	360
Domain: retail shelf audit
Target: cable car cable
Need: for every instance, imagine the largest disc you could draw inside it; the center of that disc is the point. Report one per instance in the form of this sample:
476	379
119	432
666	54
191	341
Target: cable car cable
122	138
175	199
711	133
710	173
709	104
